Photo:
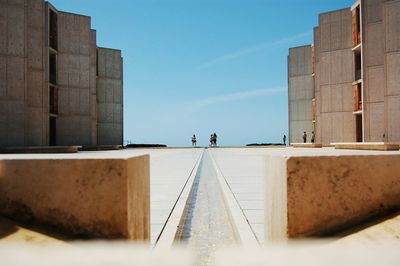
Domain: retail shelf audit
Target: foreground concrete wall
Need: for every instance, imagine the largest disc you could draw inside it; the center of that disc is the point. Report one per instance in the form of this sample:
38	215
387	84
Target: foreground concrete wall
313	196
109	97
102	198
74	123
334	77
301	92
23	95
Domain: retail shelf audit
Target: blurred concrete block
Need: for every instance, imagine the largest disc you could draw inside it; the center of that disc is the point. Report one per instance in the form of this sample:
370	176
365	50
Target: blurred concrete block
82	196
91	254
317	195
312	254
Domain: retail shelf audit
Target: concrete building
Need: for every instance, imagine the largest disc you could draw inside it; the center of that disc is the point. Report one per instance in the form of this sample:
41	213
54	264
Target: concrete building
51	89
356	62
301	93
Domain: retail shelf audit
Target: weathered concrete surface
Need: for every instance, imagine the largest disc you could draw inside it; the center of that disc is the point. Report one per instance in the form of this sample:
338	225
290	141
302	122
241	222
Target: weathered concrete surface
381	62
23	93
335	71
24	77
86	196
74	80
316	195
333	78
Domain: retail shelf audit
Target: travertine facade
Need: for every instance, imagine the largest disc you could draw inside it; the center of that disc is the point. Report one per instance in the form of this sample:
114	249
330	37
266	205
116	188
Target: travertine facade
356	62
48	78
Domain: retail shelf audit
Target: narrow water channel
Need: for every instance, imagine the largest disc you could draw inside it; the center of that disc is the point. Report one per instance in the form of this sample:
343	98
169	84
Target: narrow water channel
207	226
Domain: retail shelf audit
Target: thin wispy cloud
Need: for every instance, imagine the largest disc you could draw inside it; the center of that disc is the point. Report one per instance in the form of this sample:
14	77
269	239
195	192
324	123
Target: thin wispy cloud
253	49
237	96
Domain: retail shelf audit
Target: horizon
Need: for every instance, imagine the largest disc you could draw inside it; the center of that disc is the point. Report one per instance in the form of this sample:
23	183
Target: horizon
200	67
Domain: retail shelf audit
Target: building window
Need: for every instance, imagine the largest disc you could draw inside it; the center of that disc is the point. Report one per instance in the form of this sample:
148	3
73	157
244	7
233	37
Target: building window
356	26
53	131
359	128
357	65
53	68
53	100
357	97
53	29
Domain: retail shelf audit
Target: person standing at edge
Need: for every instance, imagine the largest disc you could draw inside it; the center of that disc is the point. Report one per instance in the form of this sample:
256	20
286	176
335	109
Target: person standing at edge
284	139
215	139
211	140
194	140
312	137
305	137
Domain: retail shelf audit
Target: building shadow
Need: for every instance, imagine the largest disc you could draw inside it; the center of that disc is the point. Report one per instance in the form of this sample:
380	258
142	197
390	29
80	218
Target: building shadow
7	227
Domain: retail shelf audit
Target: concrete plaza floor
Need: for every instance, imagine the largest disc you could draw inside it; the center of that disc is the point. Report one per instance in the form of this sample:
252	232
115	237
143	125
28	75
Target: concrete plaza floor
243	169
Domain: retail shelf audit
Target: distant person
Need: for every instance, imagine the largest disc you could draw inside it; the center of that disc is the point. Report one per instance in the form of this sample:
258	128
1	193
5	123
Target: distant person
194	140
215	139
284	139
304	137
312	137
211	140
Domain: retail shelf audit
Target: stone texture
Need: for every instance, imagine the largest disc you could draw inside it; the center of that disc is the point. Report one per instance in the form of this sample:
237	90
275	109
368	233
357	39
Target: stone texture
101	198
317	195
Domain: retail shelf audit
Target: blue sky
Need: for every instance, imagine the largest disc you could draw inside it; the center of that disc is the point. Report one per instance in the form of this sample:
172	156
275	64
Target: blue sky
202	66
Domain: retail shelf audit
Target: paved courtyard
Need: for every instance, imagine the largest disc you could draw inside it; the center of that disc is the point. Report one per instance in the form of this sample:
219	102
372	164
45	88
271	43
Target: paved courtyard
242	168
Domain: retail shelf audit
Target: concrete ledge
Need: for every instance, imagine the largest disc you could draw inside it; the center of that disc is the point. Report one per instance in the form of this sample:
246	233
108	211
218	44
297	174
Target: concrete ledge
101	148
306	145
318	195
91	198
41	149
376	146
